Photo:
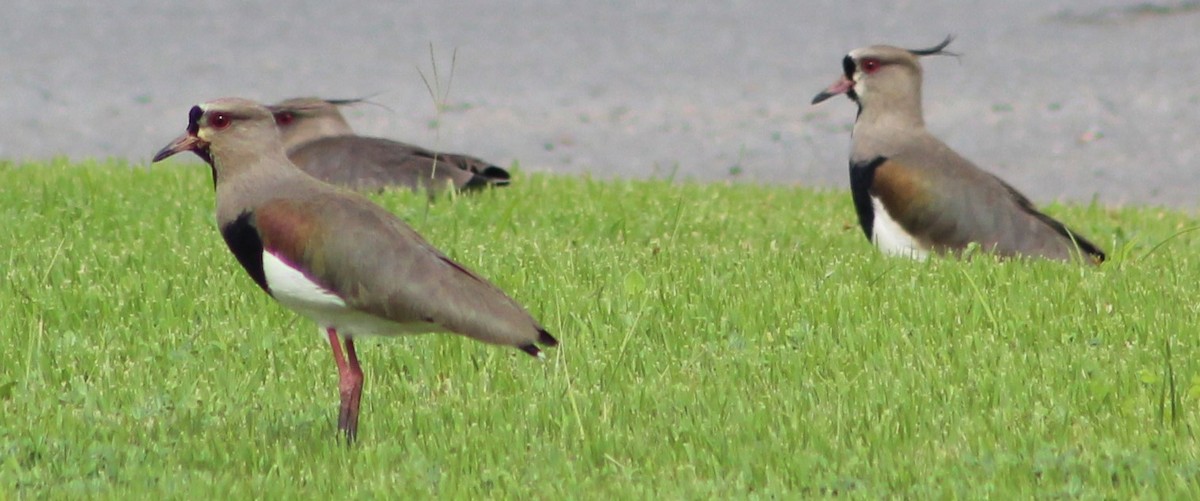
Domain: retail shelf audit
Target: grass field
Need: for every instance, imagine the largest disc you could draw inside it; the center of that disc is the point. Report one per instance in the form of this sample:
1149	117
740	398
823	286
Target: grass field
717	341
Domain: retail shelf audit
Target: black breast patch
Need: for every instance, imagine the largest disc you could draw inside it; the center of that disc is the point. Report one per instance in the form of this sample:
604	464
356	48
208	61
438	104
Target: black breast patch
862	175
242	239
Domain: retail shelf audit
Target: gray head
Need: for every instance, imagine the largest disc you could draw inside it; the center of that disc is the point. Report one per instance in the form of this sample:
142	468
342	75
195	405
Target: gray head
228	133
304	119
883	79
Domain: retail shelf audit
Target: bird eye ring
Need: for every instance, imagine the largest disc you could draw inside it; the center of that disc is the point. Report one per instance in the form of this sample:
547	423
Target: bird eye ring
871	65
219	121
284	118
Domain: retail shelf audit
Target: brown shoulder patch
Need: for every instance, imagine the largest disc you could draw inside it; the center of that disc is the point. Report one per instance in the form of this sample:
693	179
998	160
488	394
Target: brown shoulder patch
287	229
900	190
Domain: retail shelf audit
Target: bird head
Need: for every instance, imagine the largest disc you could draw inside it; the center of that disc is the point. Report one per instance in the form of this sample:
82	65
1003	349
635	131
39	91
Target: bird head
304	119
882	74
223	131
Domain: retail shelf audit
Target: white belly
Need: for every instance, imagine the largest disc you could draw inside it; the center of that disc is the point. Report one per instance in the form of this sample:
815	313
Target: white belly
293	289
891	238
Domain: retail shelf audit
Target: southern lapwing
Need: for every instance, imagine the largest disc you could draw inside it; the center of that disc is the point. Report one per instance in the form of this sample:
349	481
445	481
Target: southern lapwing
913	194
319	141
334	256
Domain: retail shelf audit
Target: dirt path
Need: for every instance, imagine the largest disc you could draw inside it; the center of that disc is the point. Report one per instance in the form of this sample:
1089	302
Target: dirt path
1066	102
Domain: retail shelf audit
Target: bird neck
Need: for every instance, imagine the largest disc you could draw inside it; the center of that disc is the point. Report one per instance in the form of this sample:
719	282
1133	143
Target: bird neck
250	164
900	112
243	187
883	130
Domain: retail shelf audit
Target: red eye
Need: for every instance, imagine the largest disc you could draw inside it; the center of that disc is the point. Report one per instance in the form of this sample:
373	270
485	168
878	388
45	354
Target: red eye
870	65
284	118
219	121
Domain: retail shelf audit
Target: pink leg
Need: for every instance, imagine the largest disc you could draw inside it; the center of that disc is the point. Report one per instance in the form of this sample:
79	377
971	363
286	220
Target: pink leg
350	384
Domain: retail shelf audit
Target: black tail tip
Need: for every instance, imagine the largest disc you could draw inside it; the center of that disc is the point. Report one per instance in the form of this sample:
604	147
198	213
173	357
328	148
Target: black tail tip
1089	250
1095	254
544	338
479	182
495	173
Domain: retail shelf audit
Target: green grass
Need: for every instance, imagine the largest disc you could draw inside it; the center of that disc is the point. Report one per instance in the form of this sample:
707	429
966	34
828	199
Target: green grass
717	341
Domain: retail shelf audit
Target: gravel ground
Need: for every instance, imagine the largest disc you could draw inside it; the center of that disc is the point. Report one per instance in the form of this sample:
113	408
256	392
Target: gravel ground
1067	100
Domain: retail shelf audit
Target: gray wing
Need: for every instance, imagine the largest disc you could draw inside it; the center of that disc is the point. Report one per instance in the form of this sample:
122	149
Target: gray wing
367	163
380	266
961	204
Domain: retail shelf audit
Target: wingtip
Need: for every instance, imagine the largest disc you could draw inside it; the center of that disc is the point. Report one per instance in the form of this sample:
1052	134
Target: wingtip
546	339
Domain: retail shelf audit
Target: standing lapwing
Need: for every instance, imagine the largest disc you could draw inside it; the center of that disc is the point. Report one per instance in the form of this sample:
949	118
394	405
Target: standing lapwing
914	194
319	141
334	256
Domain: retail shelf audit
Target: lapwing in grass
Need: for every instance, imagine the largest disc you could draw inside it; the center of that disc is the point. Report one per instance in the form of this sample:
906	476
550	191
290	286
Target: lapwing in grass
318	139
334	256
913	194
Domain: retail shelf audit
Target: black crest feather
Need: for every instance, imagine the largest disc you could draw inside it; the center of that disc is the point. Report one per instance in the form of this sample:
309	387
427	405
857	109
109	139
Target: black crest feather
936	50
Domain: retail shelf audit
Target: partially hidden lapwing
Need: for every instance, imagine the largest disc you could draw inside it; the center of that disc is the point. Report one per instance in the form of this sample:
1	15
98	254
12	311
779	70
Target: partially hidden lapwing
318	139
334	256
